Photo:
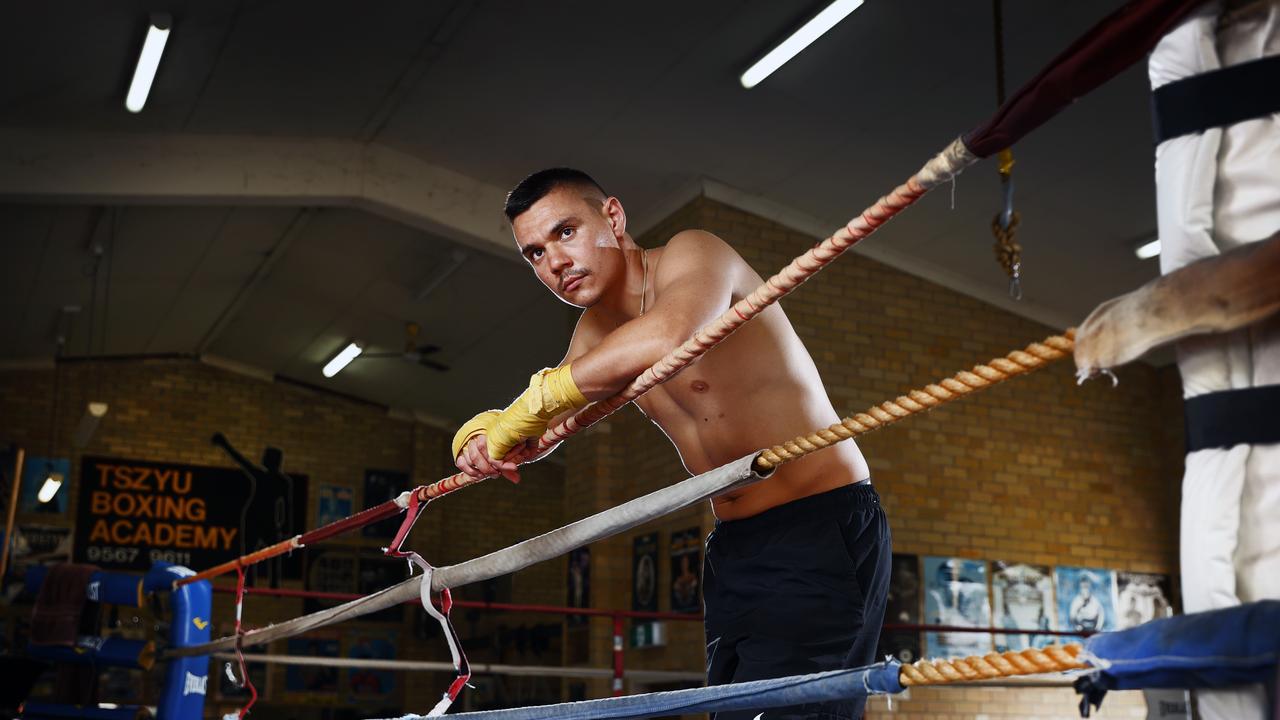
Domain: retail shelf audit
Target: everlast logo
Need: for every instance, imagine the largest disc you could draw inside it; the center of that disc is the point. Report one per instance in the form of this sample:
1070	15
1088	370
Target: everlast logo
93	591
195	684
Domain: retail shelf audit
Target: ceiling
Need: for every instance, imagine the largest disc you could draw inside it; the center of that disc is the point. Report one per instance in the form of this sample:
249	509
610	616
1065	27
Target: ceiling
335	169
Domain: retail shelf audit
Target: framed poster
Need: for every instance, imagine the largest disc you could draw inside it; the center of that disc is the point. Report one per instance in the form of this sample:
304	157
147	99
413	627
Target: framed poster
377	572
315	683
1086	599
333	503
1022	598
1141	598
644	572
36	545
331	570
956	595
902	606
686	570
379	487
365	684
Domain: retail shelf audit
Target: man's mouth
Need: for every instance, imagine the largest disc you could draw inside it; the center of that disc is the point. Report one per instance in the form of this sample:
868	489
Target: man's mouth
573	282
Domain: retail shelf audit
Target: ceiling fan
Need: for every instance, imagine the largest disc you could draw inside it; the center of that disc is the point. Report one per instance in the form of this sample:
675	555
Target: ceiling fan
413	352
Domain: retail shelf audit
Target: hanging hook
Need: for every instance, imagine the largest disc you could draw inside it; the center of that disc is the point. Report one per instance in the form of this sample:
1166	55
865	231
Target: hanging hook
231	675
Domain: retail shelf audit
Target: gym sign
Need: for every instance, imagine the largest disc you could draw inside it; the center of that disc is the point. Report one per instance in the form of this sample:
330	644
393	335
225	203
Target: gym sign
133	513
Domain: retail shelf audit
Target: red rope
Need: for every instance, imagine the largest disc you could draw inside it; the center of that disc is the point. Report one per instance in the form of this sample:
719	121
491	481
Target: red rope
396	550
244	671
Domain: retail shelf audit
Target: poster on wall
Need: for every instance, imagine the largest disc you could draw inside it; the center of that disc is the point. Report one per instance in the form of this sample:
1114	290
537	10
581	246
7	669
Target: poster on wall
37	545
902	606
579	583
956	595
1141	597
379	487
1086	599
34	472
329	570
366	684
132	513
686	570
1022	598
374	573
313	683
333	503
644	572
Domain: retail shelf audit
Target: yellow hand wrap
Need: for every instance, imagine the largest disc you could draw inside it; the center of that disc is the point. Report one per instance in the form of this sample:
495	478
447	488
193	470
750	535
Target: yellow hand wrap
551	392
478	425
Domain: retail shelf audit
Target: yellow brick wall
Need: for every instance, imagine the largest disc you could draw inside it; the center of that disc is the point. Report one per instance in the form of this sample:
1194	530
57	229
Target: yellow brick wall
1037	470
166	410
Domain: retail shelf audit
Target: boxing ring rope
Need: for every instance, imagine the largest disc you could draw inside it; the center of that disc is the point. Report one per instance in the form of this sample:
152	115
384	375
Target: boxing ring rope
663	676
740	473
635	614
1018	362
620	518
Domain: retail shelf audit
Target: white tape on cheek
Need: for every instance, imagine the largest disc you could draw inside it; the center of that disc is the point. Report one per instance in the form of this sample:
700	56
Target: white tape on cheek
606	240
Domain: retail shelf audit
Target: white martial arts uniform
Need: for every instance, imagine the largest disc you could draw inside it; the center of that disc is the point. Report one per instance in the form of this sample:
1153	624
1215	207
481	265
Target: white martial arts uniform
1217	190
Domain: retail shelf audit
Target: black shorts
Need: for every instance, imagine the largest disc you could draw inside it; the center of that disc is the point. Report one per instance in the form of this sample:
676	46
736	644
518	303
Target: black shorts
797	589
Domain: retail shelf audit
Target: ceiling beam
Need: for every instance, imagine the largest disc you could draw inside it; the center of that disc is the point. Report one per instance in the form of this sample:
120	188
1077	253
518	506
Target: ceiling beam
186	169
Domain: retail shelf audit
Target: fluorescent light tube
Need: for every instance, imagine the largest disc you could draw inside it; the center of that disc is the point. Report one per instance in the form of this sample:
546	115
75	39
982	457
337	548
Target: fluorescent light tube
799	40
342	359
93	415
1148	249
148	61
52	482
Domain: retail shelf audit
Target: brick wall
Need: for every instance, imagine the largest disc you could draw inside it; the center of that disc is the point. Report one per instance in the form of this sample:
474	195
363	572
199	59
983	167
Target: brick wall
166	410
1037	470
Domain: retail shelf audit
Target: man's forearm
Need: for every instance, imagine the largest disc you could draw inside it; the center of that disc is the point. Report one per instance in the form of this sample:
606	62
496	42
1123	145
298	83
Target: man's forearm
623	355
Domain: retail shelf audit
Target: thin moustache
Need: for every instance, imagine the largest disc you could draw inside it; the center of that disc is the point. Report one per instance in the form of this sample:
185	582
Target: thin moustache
570	277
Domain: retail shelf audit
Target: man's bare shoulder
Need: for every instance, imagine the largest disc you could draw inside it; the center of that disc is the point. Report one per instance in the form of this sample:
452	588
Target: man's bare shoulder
698	251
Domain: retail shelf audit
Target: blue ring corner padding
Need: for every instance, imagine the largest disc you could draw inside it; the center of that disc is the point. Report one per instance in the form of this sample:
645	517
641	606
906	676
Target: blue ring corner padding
1219	648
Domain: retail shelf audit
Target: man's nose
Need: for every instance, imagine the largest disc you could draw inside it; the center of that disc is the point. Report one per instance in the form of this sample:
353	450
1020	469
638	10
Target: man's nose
558	259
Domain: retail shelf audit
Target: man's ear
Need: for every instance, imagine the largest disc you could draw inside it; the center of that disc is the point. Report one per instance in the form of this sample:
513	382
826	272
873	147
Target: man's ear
616	216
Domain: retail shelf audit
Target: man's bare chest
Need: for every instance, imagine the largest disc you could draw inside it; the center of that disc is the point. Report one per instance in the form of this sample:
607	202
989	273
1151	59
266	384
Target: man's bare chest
701	393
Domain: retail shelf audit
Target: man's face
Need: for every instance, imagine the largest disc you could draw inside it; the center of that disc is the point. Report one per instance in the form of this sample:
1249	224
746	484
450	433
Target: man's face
1086	588
571	238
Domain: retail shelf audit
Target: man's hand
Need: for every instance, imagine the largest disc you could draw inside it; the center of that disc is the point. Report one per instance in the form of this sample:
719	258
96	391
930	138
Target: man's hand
474	461
551	392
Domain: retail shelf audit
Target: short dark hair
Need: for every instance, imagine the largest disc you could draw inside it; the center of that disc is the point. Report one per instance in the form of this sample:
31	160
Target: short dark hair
535	187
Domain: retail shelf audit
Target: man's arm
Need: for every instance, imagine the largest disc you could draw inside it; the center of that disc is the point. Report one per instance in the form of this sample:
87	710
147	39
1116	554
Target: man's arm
693	286
474	460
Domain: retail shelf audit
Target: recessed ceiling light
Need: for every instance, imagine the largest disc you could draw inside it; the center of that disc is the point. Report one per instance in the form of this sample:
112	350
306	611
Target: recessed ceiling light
799	40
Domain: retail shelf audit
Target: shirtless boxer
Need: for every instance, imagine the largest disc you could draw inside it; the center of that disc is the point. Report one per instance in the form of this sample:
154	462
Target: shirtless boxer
797	567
